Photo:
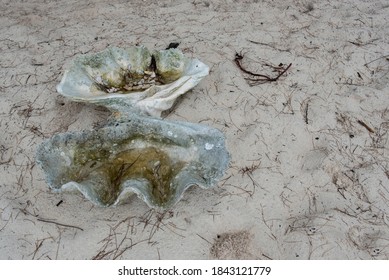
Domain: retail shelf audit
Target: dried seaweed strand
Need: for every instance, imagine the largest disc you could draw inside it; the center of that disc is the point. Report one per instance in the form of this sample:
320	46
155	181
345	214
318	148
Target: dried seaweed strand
366	126
59	224
261	78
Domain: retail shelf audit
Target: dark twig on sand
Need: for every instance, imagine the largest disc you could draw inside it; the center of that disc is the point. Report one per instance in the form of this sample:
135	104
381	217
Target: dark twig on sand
366	126
259	78
59	224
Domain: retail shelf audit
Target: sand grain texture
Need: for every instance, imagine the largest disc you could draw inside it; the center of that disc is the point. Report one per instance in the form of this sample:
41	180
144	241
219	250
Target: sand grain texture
309	171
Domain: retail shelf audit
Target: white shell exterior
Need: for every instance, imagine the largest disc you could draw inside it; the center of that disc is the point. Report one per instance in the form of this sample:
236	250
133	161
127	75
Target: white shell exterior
83	80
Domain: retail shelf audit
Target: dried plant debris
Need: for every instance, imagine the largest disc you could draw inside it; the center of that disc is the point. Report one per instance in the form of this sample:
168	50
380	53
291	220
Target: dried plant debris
256	78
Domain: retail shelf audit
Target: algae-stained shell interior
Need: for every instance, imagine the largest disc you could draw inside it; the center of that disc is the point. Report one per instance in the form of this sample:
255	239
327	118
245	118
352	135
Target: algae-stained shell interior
132	79
170	65
155	159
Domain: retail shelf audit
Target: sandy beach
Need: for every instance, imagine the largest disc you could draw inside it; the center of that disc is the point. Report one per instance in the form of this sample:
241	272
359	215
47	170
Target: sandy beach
309	171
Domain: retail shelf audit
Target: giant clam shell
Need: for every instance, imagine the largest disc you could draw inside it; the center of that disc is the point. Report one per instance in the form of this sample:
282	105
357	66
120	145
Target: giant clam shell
153	158
133	79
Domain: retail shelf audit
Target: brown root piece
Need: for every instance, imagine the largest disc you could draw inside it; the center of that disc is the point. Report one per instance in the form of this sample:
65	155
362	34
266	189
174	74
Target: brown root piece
366	126
59	224
260	78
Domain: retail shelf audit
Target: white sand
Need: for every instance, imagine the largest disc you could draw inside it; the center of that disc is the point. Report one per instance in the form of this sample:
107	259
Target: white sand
307	180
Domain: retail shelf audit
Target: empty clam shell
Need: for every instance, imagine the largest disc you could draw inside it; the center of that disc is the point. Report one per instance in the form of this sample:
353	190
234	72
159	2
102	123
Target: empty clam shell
153	158
132	80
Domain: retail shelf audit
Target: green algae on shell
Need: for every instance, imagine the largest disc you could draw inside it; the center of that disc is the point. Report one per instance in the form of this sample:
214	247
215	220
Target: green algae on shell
170	65
132	79
155	159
